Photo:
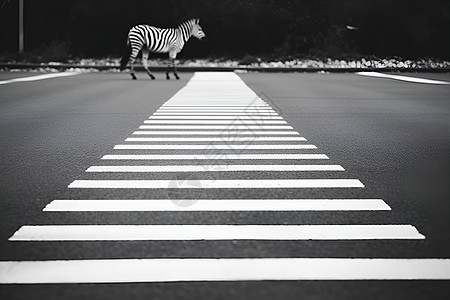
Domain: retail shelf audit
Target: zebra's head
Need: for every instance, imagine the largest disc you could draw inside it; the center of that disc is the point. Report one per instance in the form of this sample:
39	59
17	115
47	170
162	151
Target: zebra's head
197	30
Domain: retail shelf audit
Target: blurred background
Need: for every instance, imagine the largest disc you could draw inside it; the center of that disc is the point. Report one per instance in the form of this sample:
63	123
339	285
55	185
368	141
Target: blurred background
59	30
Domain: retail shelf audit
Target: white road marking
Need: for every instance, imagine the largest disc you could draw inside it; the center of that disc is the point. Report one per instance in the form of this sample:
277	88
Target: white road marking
206	107
217	184
192	93
214	146
204	98
226	102
221	117
228	127
216	114
217	132
402	78
221	205
250	139
209	110
229	122
222	95
214	105
216	168
213	232
39	77
221	269
211	156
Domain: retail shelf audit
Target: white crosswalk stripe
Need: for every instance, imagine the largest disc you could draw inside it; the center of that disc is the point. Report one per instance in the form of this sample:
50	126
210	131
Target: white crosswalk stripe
232	122
225	138
213	232
221	205
216	118
213	156
221	132
219	117
222	269
216	168
209	110
215	146
231	127
218	184
246	113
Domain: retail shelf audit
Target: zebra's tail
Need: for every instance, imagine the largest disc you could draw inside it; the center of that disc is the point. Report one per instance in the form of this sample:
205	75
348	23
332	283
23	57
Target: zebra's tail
125	56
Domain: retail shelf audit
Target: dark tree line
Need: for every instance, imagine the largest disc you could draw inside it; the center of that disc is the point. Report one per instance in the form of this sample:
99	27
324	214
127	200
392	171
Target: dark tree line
57	29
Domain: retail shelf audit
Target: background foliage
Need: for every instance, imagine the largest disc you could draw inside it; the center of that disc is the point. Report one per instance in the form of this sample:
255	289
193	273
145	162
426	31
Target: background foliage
270	29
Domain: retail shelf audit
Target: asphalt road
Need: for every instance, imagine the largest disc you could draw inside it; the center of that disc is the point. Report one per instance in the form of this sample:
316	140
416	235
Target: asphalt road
393	136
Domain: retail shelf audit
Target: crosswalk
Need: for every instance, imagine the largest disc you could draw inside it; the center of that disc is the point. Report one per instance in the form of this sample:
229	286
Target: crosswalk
219	129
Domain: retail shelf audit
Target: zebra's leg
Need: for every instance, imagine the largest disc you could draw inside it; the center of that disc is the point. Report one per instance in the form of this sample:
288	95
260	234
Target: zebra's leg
135	48
133	75
168	69
175	70
174	66
145	63
171	65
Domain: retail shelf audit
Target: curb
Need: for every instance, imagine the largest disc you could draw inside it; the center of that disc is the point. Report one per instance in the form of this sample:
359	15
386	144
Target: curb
61	67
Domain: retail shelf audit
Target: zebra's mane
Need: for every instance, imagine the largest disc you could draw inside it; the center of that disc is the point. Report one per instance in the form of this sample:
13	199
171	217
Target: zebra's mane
187	21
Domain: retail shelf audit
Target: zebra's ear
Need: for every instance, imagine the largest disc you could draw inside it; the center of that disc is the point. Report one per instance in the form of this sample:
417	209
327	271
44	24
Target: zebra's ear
197	21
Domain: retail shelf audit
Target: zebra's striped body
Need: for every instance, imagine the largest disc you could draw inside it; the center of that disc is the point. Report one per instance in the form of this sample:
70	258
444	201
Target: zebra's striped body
155	39
161	40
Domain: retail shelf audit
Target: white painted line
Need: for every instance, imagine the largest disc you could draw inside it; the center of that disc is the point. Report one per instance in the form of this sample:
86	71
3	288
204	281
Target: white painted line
228	127
215	109
402	78
243	117
217	184
215	114
219	101
220	97
161	111
214	146
221	94
204	90
221	205
212	156
230	122
226	104
168	105
189	106
216	168
250	139
164	111
214	98
201	91
39	77
224	110
219	132
230	102
214	106
213	232
221	269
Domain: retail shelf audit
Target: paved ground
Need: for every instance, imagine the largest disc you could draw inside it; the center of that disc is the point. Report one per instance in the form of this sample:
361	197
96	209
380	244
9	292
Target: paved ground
391	135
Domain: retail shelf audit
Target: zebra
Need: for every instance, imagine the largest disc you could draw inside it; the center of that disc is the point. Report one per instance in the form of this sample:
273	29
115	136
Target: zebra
160	40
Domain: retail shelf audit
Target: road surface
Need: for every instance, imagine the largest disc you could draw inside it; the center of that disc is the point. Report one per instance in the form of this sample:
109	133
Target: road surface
223	185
